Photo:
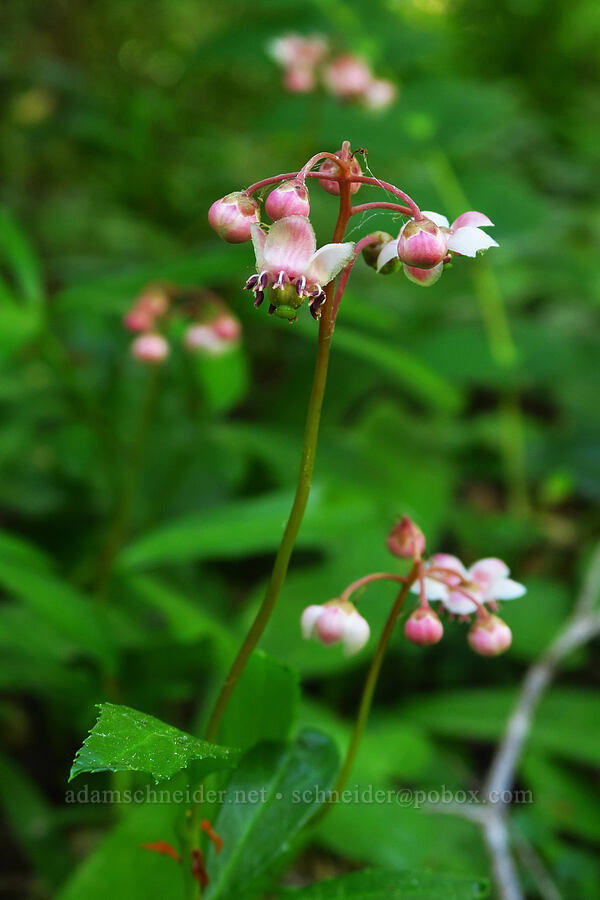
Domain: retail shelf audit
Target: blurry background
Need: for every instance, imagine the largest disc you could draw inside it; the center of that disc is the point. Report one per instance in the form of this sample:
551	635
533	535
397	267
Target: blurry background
472	406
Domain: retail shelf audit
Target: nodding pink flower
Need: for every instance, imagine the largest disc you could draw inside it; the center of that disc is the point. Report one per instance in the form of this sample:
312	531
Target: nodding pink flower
232	216
380	94
423	277
423	627
150	348
486	581
150	305
329	167
290	268
421	244
406	539
348	77
294	50
288	199
334	622
465	237
214	338
489	636
299	56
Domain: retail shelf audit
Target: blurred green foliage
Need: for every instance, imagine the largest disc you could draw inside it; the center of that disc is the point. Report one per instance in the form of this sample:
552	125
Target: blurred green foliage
472	406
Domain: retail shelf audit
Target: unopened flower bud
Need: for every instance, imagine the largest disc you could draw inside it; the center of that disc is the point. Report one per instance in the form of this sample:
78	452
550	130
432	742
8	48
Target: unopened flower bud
214	338
232	216
489	636
371	253
288	199
380	94
329	167
299	79
150	348
334	622
152	303
423	277
406	539
422	244
423	627
348	77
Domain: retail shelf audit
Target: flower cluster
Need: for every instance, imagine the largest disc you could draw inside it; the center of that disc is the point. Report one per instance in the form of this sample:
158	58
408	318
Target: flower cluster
291	270
442	580
306	61
210	328
426	244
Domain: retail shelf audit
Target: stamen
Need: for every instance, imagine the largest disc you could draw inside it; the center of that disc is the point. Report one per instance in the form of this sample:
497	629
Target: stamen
258	299
263	280
272	308
280	283
301	286
251	283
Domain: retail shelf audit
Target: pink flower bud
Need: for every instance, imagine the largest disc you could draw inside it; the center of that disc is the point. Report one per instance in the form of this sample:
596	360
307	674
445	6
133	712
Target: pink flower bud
150	348
380	94
371	253
329	167
152	303
422	244
289	199
232	216
489	636
423	627
423	277
348	77
406	539
331	625
299	79
214	338
227	327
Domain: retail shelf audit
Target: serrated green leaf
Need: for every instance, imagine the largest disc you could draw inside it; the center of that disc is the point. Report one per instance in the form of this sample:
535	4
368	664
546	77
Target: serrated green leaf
380	885
125	739
269	798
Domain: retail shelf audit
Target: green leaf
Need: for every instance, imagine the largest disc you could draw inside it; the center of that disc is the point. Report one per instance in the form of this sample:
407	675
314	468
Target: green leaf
269	798
63	607
245	527
124	739
120	867
264	705
19	257
481	714
430	387
380	885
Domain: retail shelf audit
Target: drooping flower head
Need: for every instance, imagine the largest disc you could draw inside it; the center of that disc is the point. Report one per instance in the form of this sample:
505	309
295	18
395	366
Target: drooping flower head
150	348
299	56
291	269
290	198
214	338
348	77
152	303
406	540
337	621
424	245
423	627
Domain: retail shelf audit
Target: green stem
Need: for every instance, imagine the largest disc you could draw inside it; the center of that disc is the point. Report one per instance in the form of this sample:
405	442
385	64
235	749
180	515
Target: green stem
368	691
307	463
122	514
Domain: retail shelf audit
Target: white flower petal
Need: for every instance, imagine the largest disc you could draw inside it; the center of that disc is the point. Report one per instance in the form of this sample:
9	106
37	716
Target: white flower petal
477	219
328	261
387	253
447	561
507	589
356	635
308	620
484	571
458	603
440	221
289	246
468	241
258	242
